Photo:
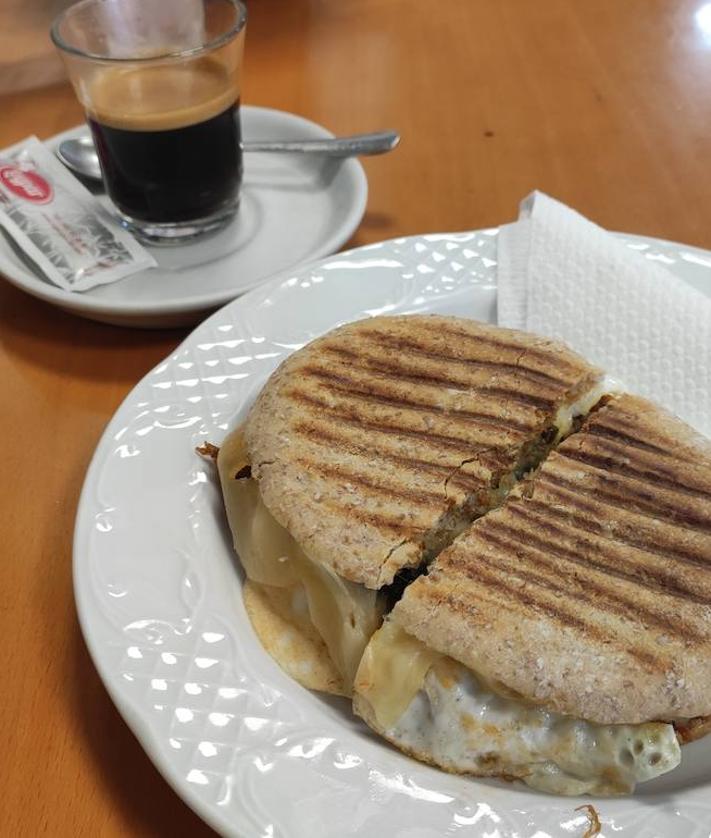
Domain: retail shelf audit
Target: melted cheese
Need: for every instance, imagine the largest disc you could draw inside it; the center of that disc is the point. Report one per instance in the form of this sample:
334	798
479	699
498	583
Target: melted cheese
344	613
443	712
392	671
582	406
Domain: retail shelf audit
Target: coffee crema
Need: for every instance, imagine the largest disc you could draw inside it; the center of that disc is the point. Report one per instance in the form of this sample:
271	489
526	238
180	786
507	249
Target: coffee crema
168	138
161	97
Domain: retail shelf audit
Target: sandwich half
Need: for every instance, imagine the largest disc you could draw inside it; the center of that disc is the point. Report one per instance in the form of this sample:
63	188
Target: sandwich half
565	638
366	453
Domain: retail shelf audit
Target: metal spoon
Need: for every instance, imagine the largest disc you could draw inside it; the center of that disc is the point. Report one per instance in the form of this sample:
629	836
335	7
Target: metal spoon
80	156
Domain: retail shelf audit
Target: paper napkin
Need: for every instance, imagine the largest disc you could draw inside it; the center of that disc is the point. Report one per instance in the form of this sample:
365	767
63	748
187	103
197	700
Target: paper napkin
562	276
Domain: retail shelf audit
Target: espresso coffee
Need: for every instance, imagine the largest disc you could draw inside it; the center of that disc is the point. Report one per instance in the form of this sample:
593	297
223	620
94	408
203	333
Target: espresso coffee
168	138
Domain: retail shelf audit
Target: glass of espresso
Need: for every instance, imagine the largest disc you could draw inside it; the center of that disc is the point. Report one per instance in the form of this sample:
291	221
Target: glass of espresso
160	83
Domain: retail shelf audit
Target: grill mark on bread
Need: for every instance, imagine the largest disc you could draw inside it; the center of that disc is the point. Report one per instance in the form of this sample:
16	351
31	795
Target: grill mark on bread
396	372
657	580
325	437
537	402
607	460
369	392
543	355
322	437
586	523
629	498
402	528
618	418
607	601
514	595
413	347
429	500
350	417
623	438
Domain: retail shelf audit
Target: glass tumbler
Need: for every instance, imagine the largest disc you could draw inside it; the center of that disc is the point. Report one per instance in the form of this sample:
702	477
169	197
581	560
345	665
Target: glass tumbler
160	83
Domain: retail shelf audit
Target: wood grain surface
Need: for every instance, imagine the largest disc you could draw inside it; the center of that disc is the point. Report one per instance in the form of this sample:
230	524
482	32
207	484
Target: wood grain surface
27	57
604	104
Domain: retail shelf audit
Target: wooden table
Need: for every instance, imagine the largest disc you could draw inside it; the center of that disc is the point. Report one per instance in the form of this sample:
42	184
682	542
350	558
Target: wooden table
604	104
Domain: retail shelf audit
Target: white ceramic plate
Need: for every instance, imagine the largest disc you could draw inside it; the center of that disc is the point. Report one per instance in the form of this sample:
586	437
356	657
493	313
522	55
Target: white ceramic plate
294	209
158	588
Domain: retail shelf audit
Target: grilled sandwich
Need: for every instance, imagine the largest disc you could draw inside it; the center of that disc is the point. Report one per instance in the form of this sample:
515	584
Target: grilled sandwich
565	638
366	453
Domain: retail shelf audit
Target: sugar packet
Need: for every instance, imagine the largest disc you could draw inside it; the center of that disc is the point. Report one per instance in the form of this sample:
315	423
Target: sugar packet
59	226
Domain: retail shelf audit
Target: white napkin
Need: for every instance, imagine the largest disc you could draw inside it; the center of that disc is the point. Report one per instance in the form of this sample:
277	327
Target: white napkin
562	276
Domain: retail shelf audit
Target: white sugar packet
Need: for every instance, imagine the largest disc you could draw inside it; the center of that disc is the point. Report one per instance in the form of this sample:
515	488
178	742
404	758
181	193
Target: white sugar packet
562	276
59	226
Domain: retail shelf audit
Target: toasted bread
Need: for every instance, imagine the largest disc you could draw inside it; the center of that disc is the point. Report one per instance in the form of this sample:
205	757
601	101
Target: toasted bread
375	445
589	591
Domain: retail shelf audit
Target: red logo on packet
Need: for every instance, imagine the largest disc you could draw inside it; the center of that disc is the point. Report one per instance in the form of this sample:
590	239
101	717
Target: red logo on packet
26	184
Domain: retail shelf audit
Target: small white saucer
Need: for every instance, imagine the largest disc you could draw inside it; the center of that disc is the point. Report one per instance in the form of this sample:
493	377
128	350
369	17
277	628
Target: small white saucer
294	208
